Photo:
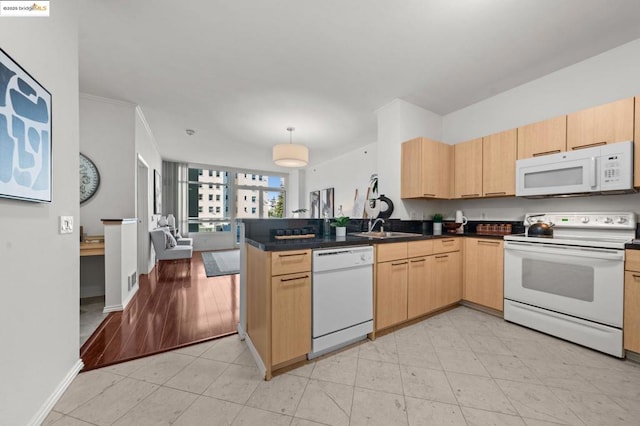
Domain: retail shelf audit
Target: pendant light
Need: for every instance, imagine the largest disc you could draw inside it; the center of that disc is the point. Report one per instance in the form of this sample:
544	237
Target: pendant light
290	154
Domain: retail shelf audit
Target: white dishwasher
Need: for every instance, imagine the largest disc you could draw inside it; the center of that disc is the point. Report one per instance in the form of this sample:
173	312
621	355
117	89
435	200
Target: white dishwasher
342	297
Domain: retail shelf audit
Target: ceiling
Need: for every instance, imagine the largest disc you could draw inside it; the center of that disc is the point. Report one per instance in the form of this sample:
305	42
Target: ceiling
239	72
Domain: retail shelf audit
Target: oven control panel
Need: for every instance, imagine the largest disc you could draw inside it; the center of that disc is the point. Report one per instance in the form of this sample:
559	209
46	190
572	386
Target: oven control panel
607	220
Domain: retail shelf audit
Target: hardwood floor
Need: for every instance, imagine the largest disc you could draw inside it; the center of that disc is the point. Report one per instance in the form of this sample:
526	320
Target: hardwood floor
176	305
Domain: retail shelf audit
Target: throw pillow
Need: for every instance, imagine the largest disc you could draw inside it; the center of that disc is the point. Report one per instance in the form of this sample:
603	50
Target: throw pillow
162	221
169	239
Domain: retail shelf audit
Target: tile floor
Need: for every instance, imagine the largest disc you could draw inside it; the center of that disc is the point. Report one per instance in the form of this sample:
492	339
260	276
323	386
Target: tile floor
461	367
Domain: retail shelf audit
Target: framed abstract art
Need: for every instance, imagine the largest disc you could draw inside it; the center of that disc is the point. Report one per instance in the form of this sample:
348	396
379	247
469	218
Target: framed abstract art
25	134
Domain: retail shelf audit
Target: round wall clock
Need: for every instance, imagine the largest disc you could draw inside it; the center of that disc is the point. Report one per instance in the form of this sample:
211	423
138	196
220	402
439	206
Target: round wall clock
89	178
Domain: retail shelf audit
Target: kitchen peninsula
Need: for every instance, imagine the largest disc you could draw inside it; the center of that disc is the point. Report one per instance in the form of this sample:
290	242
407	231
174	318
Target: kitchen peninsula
414	276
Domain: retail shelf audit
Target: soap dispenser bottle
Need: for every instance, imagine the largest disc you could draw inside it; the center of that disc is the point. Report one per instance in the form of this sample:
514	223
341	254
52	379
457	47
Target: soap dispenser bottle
326	227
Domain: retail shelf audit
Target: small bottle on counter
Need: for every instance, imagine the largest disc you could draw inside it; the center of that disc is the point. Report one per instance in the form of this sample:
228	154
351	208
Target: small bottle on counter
326	228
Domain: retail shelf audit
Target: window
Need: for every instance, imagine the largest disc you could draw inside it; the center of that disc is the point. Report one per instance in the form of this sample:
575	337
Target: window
232	194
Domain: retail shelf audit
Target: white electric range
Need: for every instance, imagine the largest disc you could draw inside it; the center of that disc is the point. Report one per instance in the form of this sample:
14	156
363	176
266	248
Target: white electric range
571	285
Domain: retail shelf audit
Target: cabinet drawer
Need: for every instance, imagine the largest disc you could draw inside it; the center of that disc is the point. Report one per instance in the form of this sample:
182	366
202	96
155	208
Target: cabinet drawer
444	245
632	262
420	248
290	262
391	251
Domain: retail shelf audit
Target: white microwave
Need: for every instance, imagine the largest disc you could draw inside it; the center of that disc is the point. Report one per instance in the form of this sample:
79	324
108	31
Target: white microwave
601	169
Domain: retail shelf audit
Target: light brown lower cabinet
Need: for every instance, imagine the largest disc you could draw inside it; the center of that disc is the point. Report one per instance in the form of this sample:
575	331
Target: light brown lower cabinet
447	278
416	278
290	316
391	301
279	305
632	301
484	272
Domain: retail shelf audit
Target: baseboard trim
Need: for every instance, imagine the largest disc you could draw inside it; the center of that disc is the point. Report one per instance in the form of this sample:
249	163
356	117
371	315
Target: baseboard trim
241	333
256	356
112	308
46	408
132	293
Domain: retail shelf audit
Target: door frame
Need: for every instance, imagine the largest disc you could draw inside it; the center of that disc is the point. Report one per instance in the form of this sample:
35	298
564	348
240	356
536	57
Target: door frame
142	214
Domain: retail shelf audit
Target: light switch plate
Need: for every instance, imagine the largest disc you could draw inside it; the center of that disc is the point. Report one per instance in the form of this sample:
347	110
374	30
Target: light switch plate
66	224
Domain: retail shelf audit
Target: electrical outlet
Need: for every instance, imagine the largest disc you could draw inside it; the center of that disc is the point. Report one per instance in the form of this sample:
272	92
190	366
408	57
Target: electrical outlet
66	224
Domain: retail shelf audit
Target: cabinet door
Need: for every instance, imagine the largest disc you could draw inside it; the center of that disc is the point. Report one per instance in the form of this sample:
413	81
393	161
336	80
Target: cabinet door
499	164
290	317
447	279
468	169
411	169
632	311
542	138
609	123
483	272
391	293
636	146
420	287
436	169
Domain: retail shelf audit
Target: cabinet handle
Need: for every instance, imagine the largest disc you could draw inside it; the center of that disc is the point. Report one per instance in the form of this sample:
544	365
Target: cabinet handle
636	276
469	195
538	154
589	145
495	193
399	263
447	241
442	256
491	243
293	279
418	260
293	254
428	195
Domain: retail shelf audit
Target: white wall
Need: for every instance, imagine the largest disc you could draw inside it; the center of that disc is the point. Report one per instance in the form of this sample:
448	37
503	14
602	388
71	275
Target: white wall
399	121
604	78
107	137
39	316
345	174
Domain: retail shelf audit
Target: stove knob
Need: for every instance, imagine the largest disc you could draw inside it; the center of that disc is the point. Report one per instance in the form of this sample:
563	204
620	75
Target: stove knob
584	219
608	220
621	220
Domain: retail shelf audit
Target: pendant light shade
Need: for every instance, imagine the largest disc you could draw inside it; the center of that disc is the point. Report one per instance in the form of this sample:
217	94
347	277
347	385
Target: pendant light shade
290	154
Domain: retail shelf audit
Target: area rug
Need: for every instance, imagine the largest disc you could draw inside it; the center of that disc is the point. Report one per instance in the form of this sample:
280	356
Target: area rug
218	263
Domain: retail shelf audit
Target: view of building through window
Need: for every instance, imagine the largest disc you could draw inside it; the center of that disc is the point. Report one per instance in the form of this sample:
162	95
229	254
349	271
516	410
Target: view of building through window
217	197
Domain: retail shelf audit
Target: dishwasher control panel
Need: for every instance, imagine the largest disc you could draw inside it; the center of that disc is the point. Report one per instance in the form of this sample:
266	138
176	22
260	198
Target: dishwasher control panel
342	257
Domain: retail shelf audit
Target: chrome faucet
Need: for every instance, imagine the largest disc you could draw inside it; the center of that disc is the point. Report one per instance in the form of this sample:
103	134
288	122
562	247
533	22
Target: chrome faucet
372	225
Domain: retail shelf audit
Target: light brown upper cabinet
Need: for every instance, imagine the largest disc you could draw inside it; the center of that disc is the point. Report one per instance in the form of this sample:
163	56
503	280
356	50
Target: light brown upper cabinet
636	146
426	169
542	138
608	123
468	169
499	164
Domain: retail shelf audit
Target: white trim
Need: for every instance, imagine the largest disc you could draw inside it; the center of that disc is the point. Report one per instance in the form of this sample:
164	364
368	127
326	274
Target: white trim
140	159
241	333
132	293
142	118
46	408
256	356
112	308
106	100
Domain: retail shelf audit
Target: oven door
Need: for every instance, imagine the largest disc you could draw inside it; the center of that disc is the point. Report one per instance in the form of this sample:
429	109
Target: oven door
583	282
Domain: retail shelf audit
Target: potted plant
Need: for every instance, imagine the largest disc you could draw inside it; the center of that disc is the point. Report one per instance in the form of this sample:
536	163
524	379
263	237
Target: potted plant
340	223
437	224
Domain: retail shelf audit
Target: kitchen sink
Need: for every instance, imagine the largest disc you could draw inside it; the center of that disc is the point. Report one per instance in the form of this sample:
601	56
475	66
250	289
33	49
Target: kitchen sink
382	235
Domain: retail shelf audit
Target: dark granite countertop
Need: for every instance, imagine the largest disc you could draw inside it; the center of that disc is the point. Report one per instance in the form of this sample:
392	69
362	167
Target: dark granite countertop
632	246
269	244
